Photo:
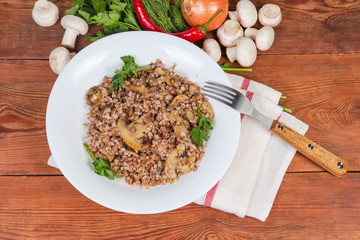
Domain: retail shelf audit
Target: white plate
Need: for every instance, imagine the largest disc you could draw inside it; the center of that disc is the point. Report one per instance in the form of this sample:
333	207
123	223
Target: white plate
66	113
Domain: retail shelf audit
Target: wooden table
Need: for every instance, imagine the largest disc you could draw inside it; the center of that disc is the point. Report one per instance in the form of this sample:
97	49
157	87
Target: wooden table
315	62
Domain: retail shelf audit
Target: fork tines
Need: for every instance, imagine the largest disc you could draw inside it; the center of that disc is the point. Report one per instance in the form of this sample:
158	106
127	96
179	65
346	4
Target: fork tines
220	92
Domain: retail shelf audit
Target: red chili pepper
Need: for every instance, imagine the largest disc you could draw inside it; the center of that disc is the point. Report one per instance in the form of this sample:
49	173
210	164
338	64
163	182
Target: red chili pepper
192	35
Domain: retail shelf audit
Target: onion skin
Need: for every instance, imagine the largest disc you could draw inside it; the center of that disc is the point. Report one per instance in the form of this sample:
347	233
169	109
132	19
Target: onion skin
198	12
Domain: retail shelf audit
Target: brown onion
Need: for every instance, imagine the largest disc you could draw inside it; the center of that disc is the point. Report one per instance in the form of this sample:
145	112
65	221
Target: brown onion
198	12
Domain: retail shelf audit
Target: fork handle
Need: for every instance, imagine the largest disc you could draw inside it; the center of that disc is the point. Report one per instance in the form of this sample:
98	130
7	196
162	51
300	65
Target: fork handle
315	152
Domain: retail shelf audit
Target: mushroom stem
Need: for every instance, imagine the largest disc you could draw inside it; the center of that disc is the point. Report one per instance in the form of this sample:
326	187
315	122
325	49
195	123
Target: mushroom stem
251	33
234	16
69	38
72	54
73	27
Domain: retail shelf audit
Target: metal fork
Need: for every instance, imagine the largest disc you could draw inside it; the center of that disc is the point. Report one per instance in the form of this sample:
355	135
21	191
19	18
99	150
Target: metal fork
310	149
236	100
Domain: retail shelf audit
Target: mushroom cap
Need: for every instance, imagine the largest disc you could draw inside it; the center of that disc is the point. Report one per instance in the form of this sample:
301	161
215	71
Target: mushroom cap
75	23
45	14
265	38
246	13
270	15
229	32
212	47
58	58
245	51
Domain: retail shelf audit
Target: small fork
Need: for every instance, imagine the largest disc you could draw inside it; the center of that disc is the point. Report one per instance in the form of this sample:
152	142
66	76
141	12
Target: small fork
310	149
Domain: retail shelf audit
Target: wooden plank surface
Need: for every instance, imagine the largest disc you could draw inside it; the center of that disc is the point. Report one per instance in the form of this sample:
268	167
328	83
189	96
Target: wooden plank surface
308	27
314	61
326	95
312	205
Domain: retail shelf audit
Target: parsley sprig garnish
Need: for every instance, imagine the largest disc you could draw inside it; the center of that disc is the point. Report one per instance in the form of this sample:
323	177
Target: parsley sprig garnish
130	69
201	133
115	15
101	166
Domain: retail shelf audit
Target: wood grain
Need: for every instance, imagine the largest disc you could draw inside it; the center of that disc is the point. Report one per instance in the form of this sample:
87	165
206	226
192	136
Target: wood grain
310	149
314	62
323	90
308	27
24	90
326	95
308	204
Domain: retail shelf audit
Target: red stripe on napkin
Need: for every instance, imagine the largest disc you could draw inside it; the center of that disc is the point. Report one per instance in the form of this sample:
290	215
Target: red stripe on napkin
249	95
211	193
245	84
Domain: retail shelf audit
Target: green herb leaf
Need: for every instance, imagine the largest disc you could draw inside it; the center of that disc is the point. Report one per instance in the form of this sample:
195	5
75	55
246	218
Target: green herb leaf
118	7
73	10
117	80
204	135
99	35
85	15
177	18
109	174
286	109
158	12
99	6
225	65
80	3
101	166
130	69
128	59
115	15
196	136
202	131
89	152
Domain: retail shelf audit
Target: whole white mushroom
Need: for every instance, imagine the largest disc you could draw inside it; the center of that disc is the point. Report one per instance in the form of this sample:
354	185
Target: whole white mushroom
58	59
73	27
265	38
229	32
212	47
45	13
245	52
270	15
247	13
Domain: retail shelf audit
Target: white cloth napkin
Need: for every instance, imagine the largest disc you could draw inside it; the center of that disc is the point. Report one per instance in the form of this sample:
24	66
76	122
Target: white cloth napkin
250	185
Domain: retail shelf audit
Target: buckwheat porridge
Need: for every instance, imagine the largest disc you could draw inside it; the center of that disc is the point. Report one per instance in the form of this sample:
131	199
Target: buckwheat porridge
148	129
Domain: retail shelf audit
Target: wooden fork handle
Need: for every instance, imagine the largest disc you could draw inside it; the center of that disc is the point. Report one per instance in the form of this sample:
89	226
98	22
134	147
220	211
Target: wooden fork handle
315	152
